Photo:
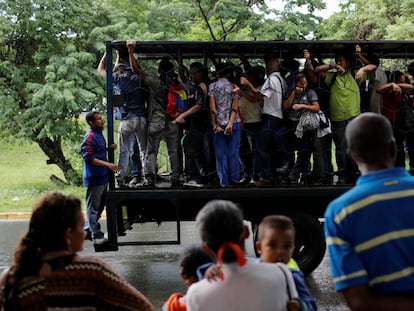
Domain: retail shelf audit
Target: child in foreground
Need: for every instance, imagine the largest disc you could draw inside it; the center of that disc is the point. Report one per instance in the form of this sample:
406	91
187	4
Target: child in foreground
190	260
276	243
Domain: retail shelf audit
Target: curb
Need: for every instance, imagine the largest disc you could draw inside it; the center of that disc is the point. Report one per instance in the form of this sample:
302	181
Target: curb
9	216
26	215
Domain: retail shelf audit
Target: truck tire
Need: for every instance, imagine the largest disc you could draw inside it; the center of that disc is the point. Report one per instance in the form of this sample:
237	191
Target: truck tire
310	241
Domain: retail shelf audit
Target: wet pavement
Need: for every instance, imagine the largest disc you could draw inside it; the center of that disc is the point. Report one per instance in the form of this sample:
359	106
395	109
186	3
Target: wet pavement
153	269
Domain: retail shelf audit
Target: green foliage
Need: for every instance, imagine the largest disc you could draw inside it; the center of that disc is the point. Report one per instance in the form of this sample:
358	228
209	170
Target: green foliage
370	20
209	20
47	79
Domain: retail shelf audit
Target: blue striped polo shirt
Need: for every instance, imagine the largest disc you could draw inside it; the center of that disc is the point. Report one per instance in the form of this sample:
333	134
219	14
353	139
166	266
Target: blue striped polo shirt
370	233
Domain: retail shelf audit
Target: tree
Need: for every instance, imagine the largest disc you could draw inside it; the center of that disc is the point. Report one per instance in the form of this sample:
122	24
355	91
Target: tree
370	20
46	73
216	20
50	49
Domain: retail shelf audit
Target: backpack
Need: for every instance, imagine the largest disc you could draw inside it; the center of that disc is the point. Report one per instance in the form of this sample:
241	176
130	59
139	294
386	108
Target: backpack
177	100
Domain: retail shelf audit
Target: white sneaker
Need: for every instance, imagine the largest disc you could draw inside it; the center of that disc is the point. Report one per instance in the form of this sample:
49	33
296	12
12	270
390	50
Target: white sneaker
140	184
134	181
100	241
193	183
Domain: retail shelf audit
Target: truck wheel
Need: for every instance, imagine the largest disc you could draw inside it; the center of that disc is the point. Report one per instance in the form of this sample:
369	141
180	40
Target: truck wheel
310	242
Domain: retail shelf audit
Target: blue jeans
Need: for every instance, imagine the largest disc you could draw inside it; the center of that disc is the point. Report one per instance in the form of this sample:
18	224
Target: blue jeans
227	156
95	203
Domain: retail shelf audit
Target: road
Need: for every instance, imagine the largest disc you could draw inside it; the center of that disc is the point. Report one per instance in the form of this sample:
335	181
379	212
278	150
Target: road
153	269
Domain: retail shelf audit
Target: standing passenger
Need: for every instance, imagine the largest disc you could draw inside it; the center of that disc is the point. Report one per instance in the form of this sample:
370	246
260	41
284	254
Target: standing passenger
322	171
269	153
195	122
251	111
300	100
345	104
133	115
160	124
393	95
224	110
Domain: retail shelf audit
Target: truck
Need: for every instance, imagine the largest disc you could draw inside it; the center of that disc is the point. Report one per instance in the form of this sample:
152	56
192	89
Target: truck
304	204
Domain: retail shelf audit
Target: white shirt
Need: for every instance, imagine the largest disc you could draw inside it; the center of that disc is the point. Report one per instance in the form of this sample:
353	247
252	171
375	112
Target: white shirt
255	286
273	89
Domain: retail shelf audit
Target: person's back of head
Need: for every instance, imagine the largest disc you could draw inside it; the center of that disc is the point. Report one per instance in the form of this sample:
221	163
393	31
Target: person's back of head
272	63
191	259
166	68
224	69
289	65
370	139
220	222
396	75
257	73
121	68
374	59
51	217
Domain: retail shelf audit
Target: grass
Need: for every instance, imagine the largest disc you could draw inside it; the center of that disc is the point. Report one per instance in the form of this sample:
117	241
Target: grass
25	177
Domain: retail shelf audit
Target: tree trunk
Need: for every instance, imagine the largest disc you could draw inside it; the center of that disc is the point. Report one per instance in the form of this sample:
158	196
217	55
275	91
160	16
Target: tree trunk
53	149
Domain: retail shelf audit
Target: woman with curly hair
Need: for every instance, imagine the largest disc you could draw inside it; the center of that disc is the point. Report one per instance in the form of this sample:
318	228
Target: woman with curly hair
48	274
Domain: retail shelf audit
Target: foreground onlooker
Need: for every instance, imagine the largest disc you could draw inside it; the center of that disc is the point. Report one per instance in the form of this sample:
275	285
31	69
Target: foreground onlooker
47	273
244	285
370	228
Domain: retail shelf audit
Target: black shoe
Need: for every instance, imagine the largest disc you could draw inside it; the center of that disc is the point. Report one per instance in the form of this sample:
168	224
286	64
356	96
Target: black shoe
244	181
284	170
176	183
103	244
121	184
263	182
88	235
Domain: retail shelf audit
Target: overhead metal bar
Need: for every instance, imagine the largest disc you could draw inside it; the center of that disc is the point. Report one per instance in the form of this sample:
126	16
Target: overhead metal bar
389	49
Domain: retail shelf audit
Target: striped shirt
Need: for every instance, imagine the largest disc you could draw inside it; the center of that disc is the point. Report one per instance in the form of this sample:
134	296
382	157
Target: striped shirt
370	233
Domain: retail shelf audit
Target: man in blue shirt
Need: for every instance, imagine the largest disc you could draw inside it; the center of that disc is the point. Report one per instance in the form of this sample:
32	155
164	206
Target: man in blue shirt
95	174
133	120
370	228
